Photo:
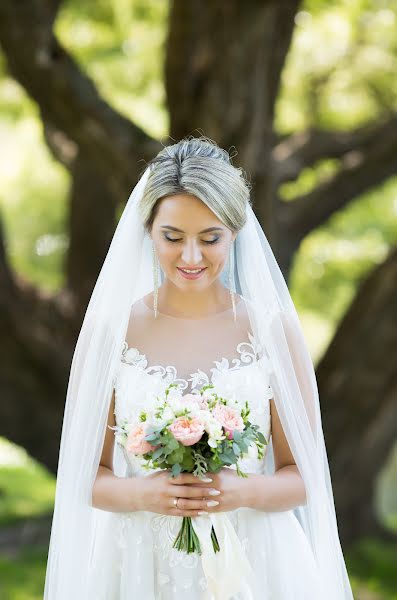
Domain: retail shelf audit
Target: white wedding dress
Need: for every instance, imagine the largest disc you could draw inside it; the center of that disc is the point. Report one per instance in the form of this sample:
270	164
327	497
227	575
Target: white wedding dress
133	558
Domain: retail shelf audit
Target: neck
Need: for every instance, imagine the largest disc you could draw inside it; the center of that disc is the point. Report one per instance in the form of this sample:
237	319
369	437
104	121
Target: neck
195	303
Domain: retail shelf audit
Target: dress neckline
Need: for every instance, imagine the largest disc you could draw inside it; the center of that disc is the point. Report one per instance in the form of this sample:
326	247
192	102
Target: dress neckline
222	312
132	356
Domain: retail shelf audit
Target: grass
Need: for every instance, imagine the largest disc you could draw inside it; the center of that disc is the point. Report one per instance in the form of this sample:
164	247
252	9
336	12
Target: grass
22	577
27	489
372	569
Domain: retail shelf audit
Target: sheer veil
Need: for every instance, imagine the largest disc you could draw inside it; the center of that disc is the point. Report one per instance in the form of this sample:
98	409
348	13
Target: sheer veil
125	277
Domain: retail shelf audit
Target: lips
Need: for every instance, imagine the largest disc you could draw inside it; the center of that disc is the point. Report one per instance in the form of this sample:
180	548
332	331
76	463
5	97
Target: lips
188	275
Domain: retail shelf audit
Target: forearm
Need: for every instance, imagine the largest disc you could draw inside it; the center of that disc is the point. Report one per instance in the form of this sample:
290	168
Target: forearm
116	494
273	493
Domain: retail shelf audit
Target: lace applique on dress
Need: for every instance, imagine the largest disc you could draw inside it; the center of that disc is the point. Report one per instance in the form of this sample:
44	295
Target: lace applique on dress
132	356
249	354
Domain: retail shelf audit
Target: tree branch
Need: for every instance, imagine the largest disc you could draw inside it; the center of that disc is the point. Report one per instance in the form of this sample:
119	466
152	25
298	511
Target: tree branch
292	153
363	167
68	99
78	126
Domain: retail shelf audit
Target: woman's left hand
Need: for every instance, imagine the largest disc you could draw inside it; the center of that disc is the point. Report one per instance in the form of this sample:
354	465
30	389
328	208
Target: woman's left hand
234	490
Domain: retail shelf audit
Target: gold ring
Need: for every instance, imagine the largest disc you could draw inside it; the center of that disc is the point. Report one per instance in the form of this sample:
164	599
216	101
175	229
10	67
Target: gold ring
176	502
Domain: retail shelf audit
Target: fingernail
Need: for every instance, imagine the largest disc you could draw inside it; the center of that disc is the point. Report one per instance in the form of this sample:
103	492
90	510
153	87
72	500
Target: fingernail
213	492
212	503
202	512
205	479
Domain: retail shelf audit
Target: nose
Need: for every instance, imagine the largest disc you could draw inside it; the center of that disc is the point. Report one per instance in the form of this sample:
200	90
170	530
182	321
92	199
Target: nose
191	254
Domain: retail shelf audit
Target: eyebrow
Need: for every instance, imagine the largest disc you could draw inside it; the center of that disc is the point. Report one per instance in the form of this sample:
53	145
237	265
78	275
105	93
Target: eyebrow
181	230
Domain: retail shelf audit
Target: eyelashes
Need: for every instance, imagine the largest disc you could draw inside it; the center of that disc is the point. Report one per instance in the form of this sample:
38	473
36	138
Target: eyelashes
179	239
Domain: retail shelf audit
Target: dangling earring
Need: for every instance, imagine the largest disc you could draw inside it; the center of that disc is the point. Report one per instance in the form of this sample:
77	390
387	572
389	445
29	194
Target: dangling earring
232	283
155	279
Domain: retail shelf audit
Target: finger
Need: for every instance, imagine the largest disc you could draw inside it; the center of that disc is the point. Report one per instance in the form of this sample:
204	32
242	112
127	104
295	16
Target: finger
192	491
191	504
194	504
185	478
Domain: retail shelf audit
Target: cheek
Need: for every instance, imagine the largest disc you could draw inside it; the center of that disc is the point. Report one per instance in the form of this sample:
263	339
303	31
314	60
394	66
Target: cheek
167	252
219	253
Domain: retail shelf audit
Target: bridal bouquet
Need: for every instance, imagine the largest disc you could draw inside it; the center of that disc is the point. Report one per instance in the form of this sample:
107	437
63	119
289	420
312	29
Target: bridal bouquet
195	433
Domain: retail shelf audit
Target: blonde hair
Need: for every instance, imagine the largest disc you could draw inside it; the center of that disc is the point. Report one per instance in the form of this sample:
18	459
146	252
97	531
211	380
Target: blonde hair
199	167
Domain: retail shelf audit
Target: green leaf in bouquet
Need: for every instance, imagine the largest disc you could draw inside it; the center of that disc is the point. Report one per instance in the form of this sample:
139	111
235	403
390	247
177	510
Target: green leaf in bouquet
228	459
168	388
188	462
251	435
236	449
243	446
158	452
199	461
150	437
176	469
214	466
240	472
261	437
176	456
167	451
245	412
170	443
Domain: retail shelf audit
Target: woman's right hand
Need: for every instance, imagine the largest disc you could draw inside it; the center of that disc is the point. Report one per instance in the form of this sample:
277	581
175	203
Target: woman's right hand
159	489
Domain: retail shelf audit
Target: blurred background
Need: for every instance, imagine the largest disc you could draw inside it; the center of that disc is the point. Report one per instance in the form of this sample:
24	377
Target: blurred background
304	96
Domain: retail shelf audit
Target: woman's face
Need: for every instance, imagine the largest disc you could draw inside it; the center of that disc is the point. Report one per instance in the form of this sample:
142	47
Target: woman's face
182	241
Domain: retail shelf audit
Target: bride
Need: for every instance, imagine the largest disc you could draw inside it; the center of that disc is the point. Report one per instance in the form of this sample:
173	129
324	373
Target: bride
190	293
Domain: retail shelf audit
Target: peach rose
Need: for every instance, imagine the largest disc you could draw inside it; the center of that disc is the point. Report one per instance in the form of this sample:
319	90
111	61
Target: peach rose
187	430
136	443
229	418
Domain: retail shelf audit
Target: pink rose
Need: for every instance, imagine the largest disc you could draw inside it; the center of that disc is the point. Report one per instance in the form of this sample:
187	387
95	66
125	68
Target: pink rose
136	443
187	430
229	418
201	402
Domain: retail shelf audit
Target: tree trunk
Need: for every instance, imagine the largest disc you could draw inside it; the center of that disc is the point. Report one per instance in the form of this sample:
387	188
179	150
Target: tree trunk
357	379
222	68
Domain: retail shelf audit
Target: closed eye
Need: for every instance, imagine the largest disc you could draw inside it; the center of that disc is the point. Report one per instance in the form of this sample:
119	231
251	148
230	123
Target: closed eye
180	239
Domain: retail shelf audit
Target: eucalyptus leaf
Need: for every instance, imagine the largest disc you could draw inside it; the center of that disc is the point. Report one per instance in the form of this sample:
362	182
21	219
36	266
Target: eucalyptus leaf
236	449
176	469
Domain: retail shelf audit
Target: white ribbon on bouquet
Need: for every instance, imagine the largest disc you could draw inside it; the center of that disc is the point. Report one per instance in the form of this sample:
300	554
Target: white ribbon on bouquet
228	570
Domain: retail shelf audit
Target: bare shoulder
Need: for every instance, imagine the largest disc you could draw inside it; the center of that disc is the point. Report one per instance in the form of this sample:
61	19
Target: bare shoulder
139	318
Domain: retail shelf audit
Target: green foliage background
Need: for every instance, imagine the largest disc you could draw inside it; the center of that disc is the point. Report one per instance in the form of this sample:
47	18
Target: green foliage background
340	73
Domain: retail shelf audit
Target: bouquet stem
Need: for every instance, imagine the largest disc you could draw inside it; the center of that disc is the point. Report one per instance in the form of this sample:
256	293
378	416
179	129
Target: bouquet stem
187	539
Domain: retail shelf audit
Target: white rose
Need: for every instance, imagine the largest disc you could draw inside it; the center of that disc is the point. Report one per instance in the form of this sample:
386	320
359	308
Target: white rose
168	414
176	404
214	429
